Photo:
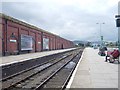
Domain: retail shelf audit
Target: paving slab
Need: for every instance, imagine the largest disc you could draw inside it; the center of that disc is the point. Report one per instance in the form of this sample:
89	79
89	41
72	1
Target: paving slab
93	72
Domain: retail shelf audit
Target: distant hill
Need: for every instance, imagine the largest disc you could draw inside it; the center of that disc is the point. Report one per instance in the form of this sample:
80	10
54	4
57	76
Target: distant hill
85	42
82	42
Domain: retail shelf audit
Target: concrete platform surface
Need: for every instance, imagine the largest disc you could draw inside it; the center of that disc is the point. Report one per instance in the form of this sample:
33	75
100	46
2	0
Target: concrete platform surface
93	72
19	58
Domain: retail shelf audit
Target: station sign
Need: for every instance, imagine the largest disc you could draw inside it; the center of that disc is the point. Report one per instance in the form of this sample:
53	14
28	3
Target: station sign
12	40
101	37
117	22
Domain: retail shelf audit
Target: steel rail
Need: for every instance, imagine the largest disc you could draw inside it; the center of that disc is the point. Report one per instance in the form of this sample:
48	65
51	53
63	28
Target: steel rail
23	71
68	78
52	75
34	73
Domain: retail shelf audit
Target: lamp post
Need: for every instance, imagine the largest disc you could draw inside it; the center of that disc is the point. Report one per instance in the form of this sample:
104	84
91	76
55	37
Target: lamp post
101	37
118	24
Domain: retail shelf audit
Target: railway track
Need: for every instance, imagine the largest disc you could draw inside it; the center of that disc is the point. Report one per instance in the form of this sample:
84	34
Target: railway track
17	68
61	78
40	77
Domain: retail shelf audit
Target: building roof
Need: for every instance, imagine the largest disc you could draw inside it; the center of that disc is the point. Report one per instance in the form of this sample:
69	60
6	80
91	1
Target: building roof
24	23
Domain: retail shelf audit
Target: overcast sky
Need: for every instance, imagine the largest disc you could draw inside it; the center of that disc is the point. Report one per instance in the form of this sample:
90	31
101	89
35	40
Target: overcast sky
71	19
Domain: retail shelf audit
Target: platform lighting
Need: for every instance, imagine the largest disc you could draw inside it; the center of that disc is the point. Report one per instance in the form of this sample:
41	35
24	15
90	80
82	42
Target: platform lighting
118	24
101	37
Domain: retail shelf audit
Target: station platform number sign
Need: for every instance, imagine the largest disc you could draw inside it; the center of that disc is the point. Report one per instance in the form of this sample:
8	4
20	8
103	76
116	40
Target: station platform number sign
101	37
117	22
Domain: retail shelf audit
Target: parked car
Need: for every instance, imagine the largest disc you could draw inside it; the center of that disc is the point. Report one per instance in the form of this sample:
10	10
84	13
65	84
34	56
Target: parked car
95	47
102	50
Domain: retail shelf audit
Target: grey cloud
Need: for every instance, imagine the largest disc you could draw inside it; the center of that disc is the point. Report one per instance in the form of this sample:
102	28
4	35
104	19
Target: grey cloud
68	21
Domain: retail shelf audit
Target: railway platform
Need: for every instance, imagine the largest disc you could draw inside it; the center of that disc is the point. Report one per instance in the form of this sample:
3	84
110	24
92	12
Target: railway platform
24	57
93	72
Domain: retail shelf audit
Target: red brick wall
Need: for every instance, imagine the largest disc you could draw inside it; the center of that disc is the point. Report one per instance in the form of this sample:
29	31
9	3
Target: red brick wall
0	39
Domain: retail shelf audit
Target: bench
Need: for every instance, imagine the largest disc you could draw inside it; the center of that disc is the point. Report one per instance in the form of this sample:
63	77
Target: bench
113	59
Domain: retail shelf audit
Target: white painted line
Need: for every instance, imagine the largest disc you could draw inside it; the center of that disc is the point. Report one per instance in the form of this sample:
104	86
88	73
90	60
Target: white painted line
50	53
13	62
73	75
